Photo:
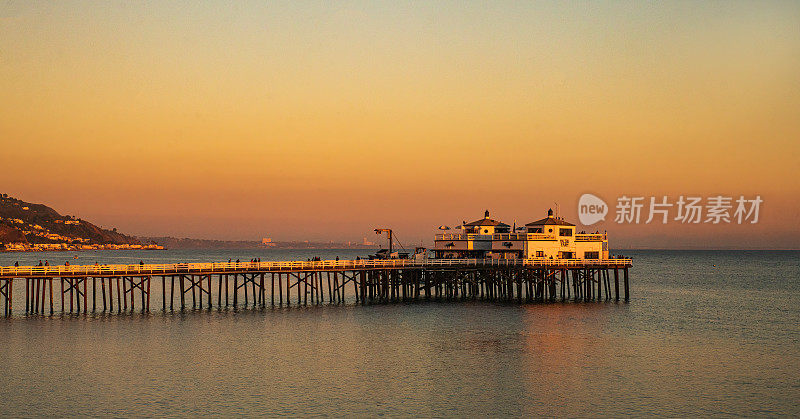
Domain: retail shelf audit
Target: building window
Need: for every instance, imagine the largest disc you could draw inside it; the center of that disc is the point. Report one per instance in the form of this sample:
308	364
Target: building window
535	230
565	232
485	231
591	255
549	230
540	253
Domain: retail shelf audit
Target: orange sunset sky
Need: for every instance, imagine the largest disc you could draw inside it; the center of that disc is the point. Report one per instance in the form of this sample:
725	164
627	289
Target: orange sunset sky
323	120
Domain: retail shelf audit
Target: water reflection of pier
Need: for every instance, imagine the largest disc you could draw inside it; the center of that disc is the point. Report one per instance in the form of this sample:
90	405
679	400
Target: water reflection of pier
127	288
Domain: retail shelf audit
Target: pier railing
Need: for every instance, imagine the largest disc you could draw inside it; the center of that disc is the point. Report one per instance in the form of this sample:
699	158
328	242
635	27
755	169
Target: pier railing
499	236
137	269
579	237
595	237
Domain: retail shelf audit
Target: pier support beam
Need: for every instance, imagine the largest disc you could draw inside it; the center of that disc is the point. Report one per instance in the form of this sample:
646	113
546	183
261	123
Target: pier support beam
625	277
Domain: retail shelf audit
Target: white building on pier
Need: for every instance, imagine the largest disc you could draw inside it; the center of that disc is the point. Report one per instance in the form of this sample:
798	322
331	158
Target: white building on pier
549	238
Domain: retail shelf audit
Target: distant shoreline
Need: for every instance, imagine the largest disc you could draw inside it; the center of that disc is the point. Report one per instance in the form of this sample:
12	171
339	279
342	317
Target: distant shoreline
189	248
34	250
210	244
370	248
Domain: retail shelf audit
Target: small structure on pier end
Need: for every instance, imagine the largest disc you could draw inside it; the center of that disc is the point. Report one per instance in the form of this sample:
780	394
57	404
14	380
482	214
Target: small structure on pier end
549	238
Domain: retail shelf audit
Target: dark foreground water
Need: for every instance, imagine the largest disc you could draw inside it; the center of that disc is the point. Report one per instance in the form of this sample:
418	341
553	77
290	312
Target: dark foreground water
696	339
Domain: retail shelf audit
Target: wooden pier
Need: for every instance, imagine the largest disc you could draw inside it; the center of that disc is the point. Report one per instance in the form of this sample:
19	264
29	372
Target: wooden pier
128	288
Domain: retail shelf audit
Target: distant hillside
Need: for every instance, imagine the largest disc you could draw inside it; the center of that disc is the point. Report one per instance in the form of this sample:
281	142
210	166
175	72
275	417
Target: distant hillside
24	222
10	234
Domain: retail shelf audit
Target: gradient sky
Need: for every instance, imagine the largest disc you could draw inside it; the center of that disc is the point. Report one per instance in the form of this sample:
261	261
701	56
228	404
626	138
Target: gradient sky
323	120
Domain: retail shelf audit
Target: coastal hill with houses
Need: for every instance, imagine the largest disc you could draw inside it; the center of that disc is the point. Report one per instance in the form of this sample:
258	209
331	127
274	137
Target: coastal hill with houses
25	226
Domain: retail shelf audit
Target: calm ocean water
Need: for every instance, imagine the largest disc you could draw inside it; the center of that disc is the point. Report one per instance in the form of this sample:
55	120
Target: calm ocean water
712	333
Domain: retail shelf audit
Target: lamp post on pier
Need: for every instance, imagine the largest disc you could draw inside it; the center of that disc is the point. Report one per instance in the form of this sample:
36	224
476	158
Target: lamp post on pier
389	236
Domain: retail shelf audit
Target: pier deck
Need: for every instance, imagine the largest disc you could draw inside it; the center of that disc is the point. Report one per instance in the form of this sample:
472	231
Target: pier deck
92	288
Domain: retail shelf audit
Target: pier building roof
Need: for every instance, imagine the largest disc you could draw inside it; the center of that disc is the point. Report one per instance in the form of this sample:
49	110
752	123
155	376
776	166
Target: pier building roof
549	220
486	221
